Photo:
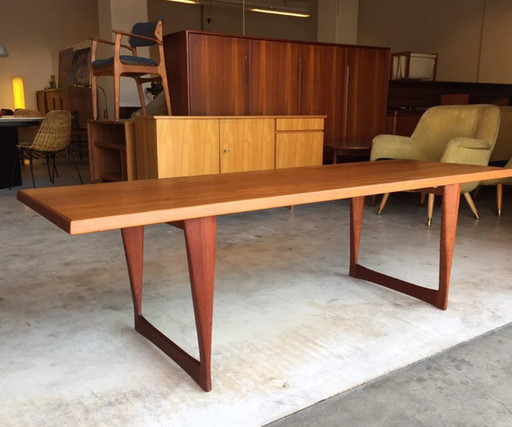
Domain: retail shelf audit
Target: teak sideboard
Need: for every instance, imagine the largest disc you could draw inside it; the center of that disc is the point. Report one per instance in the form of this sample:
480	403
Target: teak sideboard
219	74
172	146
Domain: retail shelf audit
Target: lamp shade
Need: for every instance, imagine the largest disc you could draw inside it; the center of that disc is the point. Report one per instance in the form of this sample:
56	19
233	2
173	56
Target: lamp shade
3	50
18	92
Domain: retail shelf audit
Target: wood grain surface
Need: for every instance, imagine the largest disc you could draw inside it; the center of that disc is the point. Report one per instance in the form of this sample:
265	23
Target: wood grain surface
98	207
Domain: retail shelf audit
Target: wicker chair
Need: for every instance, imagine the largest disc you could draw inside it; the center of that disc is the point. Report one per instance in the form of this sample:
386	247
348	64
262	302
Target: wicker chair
27	134
22	112
53	137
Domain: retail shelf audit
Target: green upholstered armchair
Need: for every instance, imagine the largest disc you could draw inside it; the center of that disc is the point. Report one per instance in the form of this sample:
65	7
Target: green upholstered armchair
502	153
448	133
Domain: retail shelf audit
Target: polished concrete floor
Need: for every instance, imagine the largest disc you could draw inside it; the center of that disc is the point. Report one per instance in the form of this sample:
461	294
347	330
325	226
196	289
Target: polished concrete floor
466	385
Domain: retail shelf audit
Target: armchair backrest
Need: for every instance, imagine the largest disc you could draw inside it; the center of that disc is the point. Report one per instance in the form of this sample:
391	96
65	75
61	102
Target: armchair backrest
503	149
146	29
54	134
23	112
439	125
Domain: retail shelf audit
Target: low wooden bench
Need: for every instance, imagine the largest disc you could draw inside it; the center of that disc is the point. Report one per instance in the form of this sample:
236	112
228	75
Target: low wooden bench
195	202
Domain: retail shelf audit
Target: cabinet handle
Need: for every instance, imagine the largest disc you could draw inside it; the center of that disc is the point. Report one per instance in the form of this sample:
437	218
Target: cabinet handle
225	150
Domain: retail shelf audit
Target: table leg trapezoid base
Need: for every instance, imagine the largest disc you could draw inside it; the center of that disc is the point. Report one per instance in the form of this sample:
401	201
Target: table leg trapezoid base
437	297
200	235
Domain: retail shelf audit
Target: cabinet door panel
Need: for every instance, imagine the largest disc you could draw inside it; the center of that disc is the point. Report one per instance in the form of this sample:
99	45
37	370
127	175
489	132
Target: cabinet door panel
294	149
324	86
274	77
187	147
368	92
246	144
217	75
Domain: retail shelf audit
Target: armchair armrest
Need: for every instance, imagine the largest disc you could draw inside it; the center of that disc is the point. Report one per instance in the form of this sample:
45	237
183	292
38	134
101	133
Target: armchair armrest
470	151
96	40
138	36
394	147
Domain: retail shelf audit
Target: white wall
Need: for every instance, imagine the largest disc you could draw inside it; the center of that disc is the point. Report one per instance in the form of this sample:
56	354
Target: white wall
472	37
496	58
34	32
338	21
230	20
118	15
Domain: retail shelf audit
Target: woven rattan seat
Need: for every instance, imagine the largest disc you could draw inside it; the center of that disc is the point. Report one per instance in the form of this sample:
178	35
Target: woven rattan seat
53	137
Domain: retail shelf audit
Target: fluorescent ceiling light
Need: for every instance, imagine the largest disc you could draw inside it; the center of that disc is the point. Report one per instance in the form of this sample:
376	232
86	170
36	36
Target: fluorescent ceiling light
297	13
280	12
184	1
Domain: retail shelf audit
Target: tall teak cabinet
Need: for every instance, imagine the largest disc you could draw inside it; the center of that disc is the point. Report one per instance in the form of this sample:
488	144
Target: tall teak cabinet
217	74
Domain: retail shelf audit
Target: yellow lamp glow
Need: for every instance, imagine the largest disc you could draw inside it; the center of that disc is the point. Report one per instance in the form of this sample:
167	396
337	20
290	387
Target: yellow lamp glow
18	92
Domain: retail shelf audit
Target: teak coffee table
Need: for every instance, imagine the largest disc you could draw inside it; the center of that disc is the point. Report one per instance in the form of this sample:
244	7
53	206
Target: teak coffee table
195	202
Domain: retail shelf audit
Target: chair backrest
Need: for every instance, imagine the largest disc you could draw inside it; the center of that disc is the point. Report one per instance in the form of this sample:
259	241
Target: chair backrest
146	29
54	133
439	125
503	149
23	112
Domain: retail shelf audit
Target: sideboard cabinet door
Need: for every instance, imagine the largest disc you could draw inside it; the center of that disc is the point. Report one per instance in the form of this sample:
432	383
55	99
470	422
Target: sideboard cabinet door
247	144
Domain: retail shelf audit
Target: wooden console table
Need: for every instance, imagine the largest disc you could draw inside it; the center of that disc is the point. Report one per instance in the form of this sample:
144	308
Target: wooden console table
196	201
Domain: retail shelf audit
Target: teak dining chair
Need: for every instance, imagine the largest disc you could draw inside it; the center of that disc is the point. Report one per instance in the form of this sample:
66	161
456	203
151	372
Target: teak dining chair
131	65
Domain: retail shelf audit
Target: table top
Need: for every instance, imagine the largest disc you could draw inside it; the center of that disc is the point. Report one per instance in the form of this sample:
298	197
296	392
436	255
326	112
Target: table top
108	206
13	121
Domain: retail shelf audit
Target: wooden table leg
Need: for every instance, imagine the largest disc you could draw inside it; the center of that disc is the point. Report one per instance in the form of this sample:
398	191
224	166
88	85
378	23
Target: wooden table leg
200	235
450	211
356	224
437	297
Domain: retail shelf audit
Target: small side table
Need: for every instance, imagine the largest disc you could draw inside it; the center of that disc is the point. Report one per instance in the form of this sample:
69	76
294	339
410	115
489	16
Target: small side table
350	149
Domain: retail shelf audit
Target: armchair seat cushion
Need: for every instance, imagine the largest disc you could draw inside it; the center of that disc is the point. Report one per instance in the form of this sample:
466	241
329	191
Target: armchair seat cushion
125	59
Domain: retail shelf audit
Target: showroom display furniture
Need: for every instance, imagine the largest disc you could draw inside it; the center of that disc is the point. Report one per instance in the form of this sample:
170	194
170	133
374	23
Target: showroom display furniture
502	154
197	201
143	34
503	148
452	133
53	137
170	146
111	150
499	183
346	83
10	171
27	134
77	100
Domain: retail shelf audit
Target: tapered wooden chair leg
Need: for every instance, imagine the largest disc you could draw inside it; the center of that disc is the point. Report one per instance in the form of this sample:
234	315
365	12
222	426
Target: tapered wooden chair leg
430	208
499	198
383	203
141	96
423	195
471	204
